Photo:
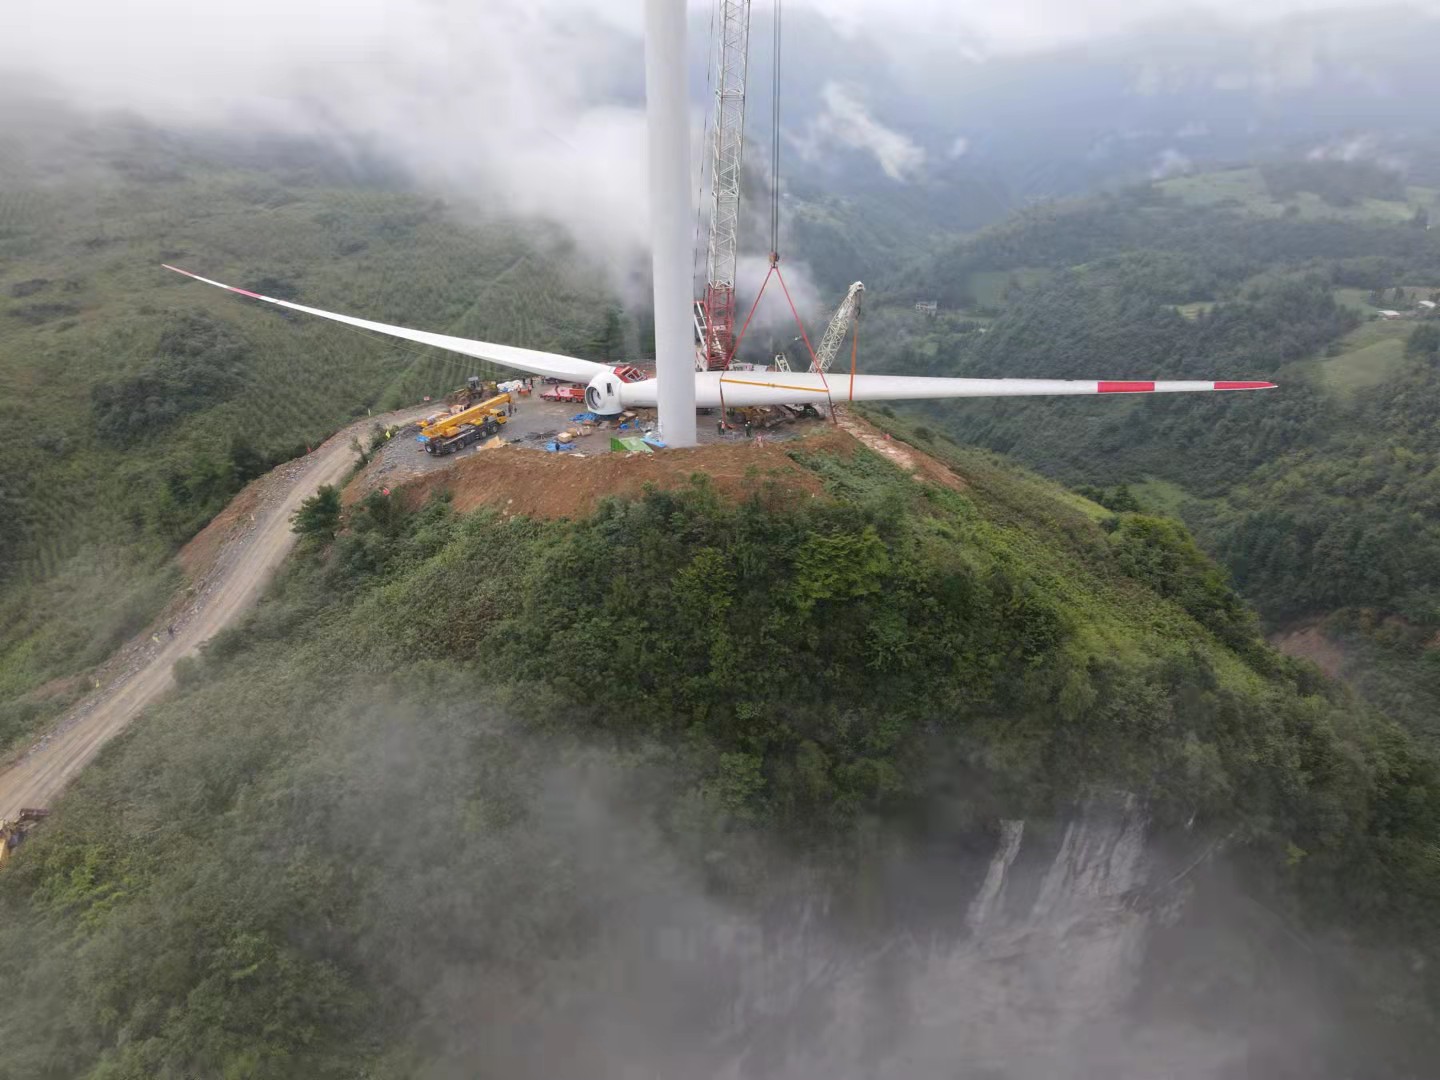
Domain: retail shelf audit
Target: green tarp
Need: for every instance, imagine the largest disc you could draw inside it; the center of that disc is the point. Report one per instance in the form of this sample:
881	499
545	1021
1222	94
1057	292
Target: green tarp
630	444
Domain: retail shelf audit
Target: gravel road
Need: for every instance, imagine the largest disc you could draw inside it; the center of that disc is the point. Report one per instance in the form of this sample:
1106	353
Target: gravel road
244	566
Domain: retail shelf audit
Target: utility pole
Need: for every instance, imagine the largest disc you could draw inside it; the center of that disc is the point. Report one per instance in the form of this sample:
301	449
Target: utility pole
666	110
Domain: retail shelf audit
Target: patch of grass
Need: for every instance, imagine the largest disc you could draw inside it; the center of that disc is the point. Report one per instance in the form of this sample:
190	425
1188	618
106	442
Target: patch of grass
1359	299
1246	190
1369	354
1162	498
1360	368
988	287
1243	186
1195	310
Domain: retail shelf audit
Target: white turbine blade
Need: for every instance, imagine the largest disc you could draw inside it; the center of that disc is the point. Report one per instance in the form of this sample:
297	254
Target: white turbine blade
800	388
529	361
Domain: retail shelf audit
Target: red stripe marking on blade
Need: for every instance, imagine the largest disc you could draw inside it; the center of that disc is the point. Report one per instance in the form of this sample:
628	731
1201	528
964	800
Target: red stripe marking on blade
1244	386
1125	388
245	292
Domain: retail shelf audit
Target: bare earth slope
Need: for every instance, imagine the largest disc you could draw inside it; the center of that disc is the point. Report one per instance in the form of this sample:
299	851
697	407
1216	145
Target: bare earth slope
252	546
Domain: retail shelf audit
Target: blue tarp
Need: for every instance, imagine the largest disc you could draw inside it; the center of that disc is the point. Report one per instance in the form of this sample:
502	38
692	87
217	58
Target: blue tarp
654	440
556	447
584	418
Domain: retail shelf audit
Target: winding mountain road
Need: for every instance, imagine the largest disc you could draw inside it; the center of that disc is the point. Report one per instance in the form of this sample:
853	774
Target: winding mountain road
243	567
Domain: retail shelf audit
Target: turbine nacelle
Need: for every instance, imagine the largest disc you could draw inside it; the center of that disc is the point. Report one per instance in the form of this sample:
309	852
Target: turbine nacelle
602	396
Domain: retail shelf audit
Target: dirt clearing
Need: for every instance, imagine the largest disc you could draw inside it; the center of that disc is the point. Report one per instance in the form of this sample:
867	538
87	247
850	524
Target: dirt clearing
1311	643
517	481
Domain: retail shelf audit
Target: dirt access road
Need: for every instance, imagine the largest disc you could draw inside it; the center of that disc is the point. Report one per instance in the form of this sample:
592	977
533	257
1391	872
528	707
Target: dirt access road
143	670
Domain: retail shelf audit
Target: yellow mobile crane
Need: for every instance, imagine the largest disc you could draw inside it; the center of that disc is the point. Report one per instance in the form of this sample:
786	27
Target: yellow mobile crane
446	434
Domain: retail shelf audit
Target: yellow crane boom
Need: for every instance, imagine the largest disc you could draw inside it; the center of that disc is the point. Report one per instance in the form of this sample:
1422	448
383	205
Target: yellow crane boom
445	426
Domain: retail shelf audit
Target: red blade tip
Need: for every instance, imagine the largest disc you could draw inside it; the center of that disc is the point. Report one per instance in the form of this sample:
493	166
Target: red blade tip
1244	386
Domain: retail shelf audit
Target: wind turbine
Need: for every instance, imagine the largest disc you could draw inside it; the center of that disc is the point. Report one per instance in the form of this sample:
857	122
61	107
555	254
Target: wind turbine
678	389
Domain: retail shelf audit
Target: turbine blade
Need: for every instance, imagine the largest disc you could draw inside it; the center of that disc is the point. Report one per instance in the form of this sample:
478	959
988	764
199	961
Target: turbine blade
797	388
714	388
529	361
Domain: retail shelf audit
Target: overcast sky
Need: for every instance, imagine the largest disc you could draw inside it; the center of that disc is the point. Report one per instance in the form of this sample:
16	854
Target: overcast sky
1027	25
512	98
159	52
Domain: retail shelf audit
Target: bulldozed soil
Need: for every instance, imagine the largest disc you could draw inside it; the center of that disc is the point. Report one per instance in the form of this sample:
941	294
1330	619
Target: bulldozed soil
917	463
541	485
1310	642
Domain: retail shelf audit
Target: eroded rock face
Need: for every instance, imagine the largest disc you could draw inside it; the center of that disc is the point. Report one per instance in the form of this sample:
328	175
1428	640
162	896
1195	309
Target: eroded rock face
1034	980
1057	952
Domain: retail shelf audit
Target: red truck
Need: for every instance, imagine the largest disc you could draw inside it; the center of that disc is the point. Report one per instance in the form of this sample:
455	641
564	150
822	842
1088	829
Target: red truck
574	394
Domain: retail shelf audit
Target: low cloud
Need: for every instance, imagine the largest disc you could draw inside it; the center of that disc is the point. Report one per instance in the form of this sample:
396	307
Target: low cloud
528	108
773	326
1170	163
1356	148
847	124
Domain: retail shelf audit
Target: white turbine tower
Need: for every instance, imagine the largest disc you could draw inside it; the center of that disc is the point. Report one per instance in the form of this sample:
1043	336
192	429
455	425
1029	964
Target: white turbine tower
667	106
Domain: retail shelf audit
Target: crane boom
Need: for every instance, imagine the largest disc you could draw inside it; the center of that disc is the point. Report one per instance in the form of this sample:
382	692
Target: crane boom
715	314
835	332
445	426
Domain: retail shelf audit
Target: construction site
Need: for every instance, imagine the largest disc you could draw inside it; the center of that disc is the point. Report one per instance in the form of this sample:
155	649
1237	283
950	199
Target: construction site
479	418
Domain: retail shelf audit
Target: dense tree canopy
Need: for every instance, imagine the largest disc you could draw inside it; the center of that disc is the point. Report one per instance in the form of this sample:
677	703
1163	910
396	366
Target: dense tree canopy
1318	498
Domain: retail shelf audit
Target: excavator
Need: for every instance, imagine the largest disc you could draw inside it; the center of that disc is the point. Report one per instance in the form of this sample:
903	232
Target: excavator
474	391
446	434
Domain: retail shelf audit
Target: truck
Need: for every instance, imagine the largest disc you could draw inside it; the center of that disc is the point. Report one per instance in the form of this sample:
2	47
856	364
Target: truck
446	434
575	394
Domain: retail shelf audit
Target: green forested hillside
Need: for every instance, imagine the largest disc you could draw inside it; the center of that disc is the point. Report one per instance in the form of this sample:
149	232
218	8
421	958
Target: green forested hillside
134	403
343	848
1318	497
1356	191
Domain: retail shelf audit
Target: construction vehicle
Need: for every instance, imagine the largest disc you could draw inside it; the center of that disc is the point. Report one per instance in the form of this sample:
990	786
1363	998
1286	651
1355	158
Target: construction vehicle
845	315
446	434
473	392
12	833
758	416
567	392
